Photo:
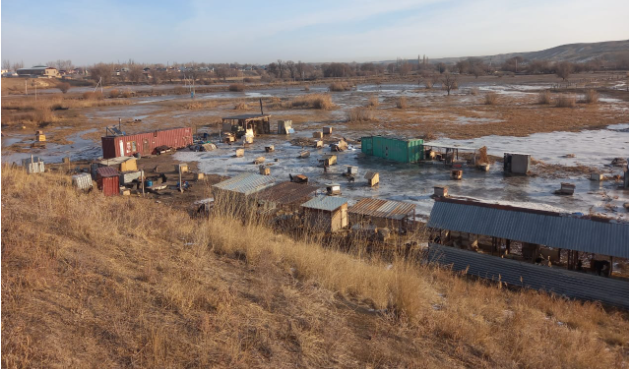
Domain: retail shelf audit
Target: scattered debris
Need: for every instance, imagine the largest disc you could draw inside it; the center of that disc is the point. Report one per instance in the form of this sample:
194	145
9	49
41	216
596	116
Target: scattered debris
327	130
269	148
83	181
619	162
33	165
317	134
566	189
285	127
240	153
300	178
265	171
259	160
304	154
440	191
456	174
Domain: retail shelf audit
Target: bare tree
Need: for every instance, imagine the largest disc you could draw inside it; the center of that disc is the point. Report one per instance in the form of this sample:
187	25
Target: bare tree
18	65
449	82
135	73
103	71
404	69
6	64
441	67
280	68
563	70
290	65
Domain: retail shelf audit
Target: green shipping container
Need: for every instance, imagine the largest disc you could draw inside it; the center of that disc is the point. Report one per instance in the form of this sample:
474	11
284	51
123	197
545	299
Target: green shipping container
401	150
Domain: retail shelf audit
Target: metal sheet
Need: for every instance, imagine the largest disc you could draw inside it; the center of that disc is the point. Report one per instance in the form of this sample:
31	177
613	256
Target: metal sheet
325	203
246	183
586	234
378	208
107	172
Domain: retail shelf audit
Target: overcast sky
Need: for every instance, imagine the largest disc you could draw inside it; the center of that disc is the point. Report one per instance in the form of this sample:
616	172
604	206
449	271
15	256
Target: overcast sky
87	32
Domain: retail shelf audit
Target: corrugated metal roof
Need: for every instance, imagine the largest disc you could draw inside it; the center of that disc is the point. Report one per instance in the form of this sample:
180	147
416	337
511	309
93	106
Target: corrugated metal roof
107	172
378	208
606	237
286	193
246	183
327	203
248	116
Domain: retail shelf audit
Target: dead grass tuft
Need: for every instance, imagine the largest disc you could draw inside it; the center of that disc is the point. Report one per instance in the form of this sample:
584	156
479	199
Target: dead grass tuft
491	98
362	114
339	87
591	97
237	87
544	98
373	102
566	101
242	106
312	101
401	103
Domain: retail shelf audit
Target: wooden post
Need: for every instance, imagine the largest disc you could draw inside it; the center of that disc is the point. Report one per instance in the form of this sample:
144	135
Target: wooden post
142	182
180	183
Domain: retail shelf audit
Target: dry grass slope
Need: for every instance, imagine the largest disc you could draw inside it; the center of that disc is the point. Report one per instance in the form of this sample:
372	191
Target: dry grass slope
89	281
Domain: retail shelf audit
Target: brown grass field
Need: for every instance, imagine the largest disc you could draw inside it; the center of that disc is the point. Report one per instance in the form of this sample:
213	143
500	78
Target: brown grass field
89	281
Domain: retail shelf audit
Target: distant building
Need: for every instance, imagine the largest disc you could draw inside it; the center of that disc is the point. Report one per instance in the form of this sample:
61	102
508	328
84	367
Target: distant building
40	71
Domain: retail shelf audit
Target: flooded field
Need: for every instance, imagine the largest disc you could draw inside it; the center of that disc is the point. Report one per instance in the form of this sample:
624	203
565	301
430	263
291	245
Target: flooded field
592	135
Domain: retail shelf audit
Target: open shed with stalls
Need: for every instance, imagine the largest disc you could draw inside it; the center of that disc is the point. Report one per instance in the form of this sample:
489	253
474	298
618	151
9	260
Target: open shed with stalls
402	150
108	181
145	143
326	214
286	196
448	154
233	194
258	124
528	242
395	215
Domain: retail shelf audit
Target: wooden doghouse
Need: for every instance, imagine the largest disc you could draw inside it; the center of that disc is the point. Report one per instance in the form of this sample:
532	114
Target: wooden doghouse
373	178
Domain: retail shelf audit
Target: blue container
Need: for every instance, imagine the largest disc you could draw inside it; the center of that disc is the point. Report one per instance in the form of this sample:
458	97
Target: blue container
149	183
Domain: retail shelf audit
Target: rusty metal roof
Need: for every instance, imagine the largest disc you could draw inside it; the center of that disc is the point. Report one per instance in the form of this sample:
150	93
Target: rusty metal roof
567	231
388	209
326	203
107	172
286	193
246	183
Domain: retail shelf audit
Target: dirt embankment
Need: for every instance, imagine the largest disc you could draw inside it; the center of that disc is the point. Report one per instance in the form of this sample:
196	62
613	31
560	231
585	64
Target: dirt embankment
89	281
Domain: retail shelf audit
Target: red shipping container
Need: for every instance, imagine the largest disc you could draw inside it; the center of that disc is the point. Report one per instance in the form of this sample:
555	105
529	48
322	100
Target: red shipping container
145	143
108	181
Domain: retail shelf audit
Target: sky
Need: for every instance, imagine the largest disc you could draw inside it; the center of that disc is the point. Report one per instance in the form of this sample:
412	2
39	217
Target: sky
259	32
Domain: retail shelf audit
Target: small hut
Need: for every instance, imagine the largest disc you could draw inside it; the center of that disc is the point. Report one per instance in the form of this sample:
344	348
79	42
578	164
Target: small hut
326	213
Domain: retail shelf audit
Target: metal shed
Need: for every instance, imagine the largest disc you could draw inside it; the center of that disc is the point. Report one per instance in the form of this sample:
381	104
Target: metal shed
239	124
145	143
236	190
108	181
567	231
326	213
383	213
402	150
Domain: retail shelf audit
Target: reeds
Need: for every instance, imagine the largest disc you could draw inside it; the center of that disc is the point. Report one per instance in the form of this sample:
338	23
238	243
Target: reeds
591	97
361	114
237	87
566	101
544	98
491	98
339	87
401	102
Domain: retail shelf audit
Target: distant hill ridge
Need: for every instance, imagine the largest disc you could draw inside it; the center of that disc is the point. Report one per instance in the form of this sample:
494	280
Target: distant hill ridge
581	52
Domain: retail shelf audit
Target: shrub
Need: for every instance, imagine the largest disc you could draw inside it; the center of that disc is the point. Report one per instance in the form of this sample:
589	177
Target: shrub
237	87
401	103
491	98
64	87
591	97
566	101
248	80
474	91
114	93
428	84
313	101
544	98
127	93
373	102
96	95
361	114
339	87
307	88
